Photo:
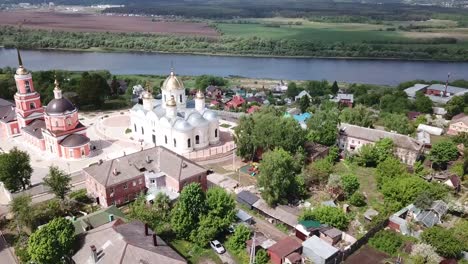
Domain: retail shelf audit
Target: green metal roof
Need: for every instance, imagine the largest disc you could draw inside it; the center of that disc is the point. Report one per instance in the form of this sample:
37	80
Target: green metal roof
97	219
310	224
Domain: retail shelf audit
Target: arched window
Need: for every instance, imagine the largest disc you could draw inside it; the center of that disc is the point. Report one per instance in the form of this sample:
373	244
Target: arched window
134	125
32	105
165	139
142	131
180	98
175	143
69	122
216	132
154	139
197	139
188	143
27	85
56	123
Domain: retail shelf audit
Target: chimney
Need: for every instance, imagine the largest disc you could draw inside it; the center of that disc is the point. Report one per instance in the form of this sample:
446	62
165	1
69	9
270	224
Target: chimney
114	171
111	217
94	253
148	160
100	162
155	240
146	230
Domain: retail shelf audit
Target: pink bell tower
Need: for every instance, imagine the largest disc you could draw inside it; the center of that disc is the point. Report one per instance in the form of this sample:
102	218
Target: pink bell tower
28	101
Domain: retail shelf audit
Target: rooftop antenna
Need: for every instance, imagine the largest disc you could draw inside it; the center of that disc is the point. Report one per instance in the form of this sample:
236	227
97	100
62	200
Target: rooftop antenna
446	85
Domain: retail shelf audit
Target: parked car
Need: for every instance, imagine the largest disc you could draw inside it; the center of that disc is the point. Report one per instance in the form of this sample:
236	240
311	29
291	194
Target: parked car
217	247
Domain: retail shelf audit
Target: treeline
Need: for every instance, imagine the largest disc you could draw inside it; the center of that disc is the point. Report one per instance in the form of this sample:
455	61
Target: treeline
25	38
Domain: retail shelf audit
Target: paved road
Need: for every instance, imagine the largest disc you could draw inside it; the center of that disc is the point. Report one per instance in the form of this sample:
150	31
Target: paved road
6	254
226	258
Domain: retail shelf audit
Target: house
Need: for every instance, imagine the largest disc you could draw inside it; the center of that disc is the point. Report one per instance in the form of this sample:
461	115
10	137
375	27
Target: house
261	95
352	138
438	93
236	102
244	217
315	151
433	215
307	228
319	251
400	220
247	198
97	219
458	124
330	235
120	180
126	243
432	130
280	87
283	251
254	99
282	213
454	182
214	92
301	94
344	99
261	242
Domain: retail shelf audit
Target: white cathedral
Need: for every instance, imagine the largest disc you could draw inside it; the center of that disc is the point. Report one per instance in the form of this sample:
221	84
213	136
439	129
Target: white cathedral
169	123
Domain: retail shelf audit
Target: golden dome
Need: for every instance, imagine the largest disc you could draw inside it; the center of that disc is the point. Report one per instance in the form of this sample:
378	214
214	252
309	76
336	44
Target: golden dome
21	70
147	95
171	102
200	95
172	83
56	82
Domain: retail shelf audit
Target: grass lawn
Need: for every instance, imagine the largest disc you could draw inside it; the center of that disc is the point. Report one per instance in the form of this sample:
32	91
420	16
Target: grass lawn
195	254
368	184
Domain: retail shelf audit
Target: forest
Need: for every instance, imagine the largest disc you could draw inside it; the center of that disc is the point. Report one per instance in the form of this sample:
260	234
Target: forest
29	39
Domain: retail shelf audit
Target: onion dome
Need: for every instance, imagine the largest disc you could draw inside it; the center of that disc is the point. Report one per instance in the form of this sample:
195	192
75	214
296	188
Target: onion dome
172	83
182	125
200	95
147	95
21	70
171	102
196	120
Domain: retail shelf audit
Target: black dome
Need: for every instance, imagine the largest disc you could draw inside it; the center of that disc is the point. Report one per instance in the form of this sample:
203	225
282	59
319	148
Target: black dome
74	140
59	106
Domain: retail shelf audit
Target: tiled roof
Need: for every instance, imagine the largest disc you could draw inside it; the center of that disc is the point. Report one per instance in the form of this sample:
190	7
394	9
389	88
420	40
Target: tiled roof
157	159
374	135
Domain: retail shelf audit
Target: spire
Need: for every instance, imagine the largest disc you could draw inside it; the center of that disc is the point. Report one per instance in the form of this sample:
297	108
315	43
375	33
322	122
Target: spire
20	61
172	68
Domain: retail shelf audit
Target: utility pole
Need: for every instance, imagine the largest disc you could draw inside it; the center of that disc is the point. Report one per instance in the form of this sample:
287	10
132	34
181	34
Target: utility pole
252	250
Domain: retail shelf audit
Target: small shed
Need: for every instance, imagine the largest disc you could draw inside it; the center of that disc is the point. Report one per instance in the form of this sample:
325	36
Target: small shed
283	248
330	235
247	198
370	214
306	228
454	182
437	131
244	217
318	251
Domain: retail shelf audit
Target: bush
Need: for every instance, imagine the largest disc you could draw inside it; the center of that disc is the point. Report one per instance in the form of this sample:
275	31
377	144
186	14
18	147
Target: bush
350	184
357	199
443	240
238	239
386	241
128	131
332	216
80	196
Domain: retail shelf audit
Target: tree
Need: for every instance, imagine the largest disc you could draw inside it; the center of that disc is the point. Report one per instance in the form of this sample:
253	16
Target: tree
114	86
20	206
190	206
459	231
317	172
156	215
15	170
329	215
425	254
422	103
386	241
262	257
277	177
442	152
323	126
238	239
389	169
357	199
53	242
334	88
293	90
423	200
455	106
92	90
358	115
58	181
304	103
371	155
203	81
398	123
350	184
443	241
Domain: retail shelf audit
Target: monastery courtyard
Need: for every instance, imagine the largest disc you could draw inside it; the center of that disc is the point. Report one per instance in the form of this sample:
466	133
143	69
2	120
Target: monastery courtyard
108	140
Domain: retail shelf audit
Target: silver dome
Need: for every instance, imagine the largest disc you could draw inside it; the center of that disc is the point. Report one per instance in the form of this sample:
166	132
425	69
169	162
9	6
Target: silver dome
182	125
210	115
195	119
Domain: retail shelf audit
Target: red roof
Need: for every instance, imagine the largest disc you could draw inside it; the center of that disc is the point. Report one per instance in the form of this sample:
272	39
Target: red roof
253	108
236	101
285	247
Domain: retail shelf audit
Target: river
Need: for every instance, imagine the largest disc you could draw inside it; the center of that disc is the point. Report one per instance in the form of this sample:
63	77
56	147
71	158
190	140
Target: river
386	72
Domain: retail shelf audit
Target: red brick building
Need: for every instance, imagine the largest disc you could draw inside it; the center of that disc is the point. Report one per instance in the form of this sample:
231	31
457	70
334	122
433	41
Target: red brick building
157	169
